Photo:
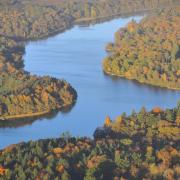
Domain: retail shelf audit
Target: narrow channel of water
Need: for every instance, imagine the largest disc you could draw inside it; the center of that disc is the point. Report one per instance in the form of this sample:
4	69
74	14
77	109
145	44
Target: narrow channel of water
76	56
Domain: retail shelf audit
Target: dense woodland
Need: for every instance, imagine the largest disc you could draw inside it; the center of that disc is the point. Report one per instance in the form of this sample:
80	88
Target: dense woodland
148	52
32	19
141	145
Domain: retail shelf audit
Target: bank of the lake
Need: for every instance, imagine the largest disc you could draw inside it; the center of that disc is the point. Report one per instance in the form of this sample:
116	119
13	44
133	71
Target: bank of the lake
141	81
76	55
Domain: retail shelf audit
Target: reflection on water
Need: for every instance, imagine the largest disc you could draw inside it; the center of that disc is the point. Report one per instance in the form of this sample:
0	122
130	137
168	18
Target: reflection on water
76	56
25	122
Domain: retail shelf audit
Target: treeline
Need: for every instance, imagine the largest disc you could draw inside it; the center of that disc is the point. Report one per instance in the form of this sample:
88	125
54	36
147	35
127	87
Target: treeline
143	145
31	19
148	52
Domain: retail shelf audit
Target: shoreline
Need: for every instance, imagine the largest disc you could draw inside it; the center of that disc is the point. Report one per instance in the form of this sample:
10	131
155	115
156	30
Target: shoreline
140	82
22	116
110	17
35	114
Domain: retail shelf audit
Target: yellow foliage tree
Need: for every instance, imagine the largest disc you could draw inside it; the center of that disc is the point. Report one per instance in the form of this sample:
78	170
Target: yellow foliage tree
107	121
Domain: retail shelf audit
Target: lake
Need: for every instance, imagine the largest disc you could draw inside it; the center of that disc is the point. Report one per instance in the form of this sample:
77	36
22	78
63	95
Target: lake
76	56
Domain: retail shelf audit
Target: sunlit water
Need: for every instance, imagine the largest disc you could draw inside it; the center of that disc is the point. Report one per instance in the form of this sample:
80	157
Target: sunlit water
76	56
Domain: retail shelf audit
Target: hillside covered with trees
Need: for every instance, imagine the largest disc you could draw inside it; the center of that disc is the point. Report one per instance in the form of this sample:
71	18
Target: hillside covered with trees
32	19
148	52
143	145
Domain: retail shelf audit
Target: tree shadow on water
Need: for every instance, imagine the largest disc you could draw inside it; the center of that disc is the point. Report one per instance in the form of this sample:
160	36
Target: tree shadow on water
17	123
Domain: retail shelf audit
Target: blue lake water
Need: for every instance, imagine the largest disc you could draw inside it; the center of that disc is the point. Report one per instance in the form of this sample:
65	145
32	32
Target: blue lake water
76	56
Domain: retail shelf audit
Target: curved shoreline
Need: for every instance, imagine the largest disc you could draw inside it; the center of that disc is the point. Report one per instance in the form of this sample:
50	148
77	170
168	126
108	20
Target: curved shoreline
50	34
60	30
85	21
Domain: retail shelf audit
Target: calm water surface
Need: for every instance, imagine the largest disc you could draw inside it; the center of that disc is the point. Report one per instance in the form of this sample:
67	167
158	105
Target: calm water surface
76	55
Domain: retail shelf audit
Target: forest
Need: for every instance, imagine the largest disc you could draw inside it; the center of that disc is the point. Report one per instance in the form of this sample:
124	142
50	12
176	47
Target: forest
149	51
32	19
143	145
24	95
